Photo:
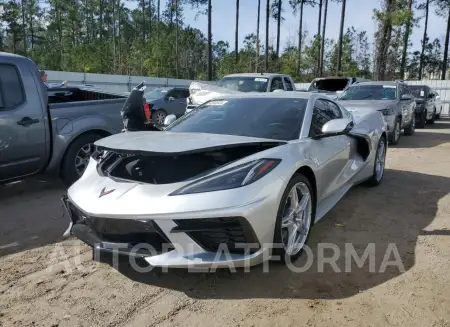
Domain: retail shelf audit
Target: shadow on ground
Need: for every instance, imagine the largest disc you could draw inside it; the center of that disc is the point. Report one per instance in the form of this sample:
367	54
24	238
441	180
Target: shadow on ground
395	213
428	137
31	214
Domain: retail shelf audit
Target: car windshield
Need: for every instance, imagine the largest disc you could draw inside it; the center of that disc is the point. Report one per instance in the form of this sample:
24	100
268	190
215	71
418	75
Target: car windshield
417	91
244	84
274	118
155	94
370	92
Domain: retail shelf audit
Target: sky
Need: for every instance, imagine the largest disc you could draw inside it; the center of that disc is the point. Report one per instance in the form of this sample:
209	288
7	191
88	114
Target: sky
358	13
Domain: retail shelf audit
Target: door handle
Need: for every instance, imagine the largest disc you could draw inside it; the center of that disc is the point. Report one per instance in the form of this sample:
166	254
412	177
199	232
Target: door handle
27	121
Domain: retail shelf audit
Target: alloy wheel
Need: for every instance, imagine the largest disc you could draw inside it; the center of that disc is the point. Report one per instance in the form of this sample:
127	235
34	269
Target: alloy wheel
296	220
380	160
159	118
82	158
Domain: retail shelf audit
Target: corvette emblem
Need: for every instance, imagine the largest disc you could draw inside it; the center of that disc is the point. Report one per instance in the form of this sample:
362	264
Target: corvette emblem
104	192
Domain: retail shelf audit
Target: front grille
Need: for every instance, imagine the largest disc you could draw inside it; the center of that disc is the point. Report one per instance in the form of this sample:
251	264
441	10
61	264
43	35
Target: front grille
126	232
213	234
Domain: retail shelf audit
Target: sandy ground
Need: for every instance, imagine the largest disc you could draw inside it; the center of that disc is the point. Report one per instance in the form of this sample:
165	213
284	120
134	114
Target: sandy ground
47	281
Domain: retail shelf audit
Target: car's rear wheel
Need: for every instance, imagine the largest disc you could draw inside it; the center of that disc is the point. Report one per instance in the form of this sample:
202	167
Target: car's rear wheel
379	164
159	116
431	121
294	219
395	135
411	127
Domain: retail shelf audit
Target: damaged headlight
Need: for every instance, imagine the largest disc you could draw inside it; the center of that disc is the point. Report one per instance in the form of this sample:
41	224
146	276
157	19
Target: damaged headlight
231	178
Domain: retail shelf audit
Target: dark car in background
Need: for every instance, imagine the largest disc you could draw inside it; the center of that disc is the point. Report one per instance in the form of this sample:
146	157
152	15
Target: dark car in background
165	101
428	104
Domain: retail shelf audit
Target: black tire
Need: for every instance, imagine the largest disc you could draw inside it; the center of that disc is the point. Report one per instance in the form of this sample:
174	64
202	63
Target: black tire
395	137
159	113
431	121
69	174
411	127
277	238
374	181
422	119
438	116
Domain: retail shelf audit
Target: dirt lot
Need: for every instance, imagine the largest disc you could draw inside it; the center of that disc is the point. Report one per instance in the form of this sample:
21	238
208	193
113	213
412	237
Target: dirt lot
47	281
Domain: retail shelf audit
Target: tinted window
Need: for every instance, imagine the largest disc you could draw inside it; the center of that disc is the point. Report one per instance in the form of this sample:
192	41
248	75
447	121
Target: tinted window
244	83
323	112
370	92
177	94
11	87
155	94
277	84
275	118
288	83
185	94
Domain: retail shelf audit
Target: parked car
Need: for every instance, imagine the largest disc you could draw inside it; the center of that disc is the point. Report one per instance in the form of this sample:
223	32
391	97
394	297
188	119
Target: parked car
392	99
333	85
237	83
428	104
165	101
50	130
230	175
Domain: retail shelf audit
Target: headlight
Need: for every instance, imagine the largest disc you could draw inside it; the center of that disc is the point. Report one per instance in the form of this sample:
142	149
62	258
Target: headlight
231	178
387	111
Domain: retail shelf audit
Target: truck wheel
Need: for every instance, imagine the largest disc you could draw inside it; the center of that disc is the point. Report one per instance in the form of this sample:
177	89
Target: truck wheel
159	116
77	157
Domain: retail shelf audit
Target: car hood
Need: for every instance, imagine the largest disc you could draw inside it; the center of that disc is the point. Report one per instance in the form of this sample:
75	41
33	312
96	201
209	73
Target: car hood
372	104
171	142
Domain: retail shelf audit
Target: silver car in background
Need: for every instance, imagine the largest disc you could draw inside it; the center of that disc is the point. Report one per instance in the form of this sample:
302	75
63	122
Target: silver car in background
393	99
239	180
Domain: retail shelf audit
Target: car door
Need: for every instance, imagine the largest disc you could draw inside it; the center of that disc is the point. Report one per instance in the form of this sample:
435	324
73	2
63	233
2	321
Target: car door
23	137
332	154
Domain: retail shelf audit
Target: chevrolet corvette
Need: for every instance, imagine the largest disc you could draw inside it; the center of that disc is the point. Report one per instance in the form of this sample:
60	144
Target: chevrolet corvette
239	180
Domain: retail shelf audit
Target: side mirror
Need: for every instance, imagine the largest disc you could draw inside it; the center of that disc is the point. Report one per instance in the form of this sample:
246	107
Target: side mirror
171	98
336	127
169	120
406	97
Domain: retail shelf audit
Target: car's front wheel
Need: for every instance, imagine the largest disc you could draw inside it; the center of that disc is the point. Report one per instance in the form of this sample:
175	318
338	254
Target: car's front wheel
395	135
431	121
411	127
422	119
294	219
379	164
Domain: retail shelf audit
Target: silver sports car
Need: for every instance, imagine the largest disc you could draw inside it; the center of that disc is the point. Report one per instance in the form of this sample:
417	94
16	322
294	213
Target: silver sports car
239	180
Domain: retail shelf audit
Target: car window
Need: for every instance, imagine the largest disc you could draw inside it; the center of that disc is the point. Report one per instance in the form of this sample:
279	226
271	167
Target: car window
323	112
370	92
418	91
288	83
274	118
11	89
277	84
244	83
185	94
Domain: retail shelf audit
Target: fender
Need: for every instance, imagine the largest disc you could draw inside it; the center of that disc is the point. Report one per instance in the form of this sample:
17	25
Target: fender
67	133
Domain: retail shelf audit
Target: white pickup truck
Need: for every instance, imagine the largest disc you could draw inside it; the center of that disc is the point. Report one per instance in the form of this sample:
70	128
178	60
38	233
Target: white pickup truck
236	83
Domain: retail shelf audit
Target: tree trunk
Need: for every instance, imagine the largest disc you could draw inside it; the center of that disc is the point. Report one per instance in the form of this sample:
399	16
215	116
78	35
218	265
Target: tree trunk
444	63
322	47
24	30
267	36
257	36
300	36
405	43
159	10
176	40
236	34
341	35
209	41
318	35
278	27
425	39
114	34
